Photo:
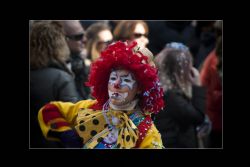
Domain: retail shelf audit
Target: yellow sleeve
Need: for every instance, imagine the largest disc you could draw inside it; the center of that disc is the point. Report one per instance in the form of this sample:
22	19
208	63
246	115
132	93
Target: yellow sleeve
68	112
152	139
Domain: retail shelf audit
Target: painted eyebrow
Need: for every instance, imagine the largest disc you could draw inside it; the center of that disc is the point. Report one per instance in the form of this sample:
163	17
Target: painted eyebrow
124	75
128	75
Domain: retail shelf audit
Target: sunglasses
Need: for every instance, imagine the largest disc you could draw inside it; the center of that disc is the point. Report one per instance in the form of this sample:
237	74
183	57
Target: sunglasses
139	35
105	42
76	37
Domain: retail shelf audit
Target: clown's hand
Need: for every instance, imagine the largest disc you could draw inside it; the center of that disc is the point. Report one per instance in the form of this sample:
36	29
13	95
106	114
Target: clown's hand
70	139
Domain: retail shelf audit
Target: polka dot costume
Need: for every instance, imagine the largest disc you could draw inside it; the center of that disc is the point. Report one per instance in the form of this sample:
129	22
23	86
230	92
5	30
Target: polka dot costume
93	128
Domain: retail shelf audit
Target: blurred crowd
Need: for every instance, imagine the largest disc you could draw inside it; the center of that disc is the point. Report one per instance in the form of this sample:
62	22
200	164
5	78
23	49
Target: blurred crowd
188	55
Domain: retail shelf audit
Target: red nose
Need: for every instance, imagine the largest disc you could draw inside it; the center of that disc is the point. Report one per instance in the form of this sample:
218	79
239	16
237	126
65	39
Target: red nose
117	84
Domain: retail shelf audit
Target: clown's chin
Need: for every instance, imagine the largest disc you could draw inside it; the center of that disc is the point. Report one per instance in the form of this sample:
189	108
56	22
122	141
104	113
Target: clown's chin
117	99
117	103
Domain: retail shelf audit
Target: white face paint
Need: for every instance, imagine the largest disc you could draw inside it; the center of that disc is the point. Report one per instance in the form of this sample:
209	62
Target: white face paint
122	87
113	77
125	80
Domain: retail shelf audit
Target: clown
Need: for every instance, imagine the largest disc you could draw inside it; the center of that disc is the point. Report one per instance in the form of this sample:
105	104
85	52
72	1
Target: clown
127	92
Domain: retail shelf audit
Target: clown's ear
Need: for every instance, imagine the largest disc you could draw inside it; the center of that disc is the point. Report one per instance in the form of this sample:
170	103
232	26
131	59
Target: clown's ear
139	91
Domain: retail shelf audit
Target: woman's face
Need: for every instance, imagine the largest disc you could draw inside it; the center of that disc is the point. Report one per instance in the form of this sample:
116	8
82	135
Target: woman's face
105	38
140	35
122	87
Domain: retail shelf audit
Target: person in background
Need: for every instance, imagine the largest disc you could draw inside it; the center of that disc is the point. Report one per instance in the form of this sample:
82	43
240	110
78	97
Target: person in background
99	37
211	78
76	40
132	30
50	78
184	95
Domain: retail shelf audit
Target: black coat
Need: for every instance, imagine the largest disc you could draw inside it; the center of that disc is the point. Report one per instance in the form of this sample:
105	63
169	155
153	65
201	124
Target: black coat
177	122
54	83
81	75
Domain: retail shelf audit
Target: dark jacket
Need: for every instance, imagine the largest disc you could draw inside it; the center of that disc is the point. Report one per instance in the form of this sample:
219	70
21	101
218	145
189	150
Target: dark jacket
81	75
178	121
53	83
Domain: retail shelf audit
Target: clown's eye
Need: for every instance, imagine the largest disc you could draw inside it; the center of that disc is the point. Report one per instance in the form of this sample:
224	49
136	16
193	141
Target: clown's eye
127	80
113	78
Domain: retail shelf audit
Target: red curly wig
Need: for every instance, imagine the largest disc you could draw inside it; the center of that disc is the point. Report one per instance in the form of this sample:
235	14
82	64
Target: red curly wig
122	55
